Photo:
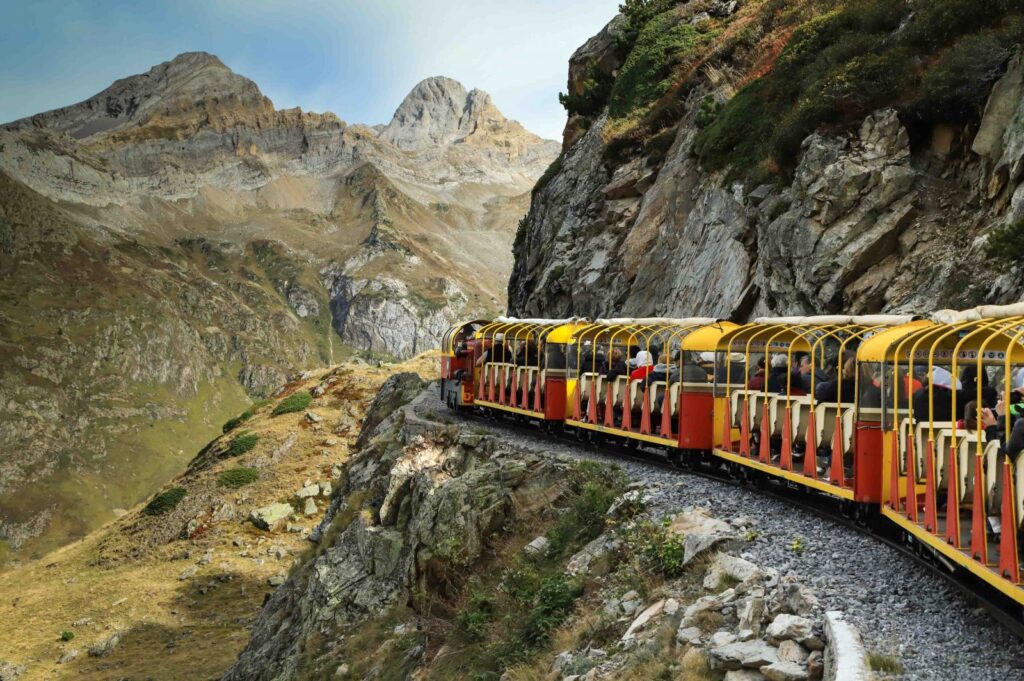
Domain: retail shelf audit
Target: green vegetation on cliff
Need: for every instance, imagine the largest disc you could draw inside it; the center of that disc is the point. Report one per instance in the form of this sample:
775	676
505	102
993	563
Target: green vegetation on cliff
937	65
778	71
293	403
165	501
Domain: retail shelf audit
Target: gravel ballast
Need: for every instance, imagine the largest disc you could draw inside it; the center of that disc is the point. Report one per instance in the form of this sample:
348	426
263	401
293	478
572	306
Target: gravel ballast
900	607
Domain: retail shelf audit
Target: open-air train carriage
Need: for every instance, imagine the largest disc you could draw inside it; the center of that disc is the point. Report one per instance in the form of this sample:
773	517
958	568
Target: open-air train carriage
520	366
909	422
951	470
672	409
793	428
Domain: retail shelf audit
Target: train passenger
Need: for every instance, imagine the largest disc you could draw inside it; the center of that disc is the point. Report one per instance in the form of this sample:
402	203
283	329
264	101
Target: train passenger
806	369
940	388
555	356
644	366
1014	444
731	368
756	381
989	423
969	378
485	356
870	389
693	372
777	374
593	359
616	365
829	390
665	370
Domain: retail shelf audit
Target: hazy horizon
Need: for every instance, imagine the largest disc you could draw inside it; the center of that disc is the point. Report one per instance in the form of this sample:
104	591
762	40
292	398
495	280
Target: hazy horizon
355	59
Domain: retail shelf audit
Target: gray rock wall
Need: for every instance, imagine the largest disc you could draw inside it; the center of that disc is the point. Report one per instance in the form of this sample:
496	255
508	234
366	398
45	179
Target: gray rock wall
866	224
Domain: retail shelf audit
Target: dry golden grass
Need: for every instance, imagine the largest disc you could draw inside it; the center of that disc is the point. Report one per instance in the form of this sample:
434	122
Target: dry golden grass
170	629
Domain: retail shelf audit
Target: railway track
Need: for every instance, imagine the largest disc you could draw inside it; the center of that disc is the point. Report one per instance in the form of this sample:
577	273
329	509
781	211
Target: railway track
975	592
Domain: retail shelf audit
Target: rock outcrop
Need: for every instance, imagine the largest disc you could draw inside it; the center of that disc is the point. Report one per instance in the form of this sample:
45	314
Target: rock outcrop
432	499
869	220
175	245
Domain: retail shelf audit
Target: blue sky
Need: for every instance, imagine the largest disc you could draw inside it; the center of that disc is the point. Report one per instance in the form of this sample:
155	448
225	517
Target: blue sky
357	58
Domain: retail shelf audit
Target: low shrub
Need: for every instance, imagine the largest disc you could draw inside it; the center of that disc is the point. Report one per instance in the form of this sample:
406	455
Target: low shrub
1006	244
555	600
165	501
476	617
597	86
659	550
888	664
242	443
293	403
67	635
647	73
549	174
593	488
956	87
238	477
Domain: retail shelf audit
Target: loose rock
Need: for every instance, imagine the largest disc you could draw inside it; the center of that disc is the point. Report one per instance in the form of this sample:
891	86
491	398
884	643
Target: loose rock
269	517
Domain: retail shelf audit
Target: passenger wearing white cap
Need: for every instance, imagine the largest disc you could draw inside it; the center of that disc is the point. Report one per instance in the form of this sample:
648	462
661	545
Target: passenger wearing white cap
777	374
939	408
644	366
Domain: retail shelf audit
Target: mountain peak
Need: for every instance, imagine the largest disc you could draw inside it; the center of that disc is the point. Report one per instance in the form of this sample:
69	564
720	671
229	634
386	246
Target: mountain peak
192	84
439	111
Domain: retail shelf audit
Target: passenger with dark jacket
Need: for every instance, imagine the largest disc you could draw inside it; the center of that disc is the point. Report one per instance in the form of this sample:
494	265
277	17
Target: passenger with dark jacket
777	374
940	408
616	365
994	425
969	378
664	371
829	390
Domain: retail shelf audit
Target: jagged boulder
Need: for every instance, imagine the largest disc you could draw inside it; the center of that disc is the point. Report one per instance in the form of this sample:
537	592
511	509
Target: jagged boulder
270	517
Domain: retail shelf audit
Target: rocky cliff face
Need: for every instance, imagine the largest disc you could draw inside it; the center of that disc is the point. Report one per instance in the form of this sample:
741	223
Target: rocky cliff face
175	245
886	210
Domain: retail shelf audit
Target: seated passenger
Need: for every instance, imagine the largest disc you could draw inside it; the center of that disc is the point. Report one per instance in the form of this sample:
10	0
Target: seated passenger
969	379
694	372
989	423
870	388
555	356
778	373
485	356
730	371
829	390
644	366
616	365
939	408
806	371
756	381
1014	444
665	371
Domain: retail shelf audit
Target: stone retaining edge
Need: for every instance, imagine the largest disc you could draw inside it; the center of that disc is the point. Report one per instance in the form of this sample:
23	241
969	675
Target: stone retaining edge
846	658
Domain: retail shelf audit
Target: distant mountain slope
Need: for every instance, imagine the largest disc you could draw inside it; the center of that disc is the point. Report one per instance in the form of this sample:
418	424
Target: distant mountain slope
174	243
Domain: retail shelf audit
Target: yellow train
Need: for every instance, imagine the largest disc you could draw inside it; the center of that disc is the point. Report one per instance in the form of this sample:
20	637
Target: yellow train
911	420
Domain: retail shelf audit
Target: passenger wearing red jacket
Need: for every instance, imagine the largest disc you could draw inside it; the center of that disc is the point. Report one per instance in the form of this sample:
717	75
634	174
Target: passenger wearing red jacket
644	366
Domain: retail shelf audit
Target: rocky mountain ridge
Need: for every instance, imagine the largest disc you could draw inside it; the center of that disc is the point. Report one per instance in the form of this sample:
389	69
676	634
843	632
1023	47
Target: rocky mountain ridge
174	246
886	206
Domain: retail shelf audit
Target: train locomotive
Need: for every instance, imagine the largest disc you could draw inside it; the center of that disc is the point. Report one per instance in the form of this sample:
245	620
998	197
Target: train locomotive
906	422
